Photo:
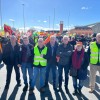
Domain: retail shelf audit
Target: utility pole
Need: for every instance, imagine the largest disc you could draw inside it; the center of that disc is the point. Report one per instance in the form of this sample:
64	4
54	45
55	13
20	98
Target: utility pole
23	17
49	22
54	20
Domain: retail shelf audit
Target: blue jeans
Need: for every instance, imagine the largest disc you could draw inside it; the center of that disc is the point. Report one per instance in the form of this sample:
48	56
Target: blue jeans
53	67
76	85
36	72
66	70
25	67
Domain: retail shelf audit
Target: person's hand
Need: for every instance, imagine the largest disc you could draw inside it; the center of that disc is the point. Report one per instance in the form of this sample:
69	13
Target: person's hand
58	58
41	55
19	65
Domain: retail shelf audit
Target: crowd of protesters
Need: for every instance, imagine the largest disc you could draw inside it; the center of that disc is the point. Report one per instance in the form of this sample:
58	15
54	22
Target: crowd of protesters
68	53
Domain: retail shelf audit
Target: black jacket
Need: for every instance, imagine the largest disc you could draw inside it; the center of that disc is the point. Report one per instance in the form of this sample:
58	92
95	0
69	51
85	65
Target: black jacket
64	53
24	54
10	56
52	59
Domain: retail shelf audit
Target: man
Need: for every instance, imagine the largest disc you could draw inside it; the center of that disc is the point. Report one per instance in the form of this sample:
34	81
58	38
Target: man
27	59
40	63
94	53
11	57
73	42
64	53
31	40
52	48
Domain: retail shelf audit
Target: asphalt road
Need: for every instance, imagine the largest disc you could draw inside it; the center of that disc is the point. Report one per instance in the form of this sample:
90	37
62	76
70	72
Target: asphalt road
15	93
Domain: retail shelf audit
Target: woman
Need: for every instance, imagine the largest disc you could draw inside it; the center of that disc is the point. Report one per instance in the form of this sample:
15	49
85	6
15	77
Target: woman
80	62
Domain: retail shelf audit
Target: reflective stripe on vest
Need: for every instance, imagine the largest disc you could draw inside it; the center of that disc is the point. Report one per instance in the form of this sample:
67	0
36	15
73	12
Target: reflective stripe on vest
94	53
37	58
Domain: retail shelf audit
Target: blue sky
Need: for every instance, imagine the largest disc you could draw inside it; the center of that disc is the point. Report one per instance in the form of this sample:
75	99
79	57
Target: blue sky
37	12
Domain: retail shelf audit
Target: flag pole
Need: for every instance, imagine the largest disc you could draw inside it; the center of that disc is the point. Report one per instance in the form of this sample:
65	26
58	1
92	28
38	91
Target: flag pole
68	19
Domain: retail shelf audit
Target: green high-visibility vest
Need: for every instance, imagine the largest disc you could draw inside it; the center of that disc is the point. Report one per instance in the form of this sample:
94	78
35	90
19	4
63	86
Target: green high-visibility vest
36	40
37	58
94	53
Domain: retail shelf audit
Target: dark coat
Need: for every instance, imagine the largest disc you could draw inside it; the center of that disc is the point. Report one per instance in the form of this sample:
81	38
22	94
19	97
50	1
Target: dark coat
64	53
10	56
24	58
52	59
82	72
0	57
73	43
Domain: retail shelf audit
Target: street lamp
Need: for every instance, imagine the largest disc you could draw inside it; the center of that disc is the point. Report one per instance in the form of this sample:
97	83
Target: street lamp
0	14
54	20
49	22
23	17
12	22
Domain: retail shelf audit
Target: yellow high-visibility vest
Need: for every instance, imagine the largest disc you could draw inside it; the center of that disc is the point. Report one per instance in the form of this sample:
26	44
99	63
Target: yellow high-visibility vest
37	58
94	53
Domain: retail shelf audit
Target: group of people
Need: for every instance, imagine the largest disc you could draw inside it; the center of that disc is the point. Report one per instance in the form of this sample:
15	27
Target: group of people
39	59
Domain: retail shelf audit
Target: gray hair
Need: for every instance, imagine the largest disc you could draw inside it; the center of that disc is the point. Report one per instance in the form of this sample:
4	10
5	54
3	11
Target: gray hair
40	39
53	36
98	34
25	37
66	37
13	37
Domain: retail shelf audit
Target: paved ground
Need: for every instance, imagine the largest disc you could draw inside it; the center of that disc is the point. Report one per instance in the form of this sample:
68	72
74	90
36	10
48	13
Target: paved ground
15	93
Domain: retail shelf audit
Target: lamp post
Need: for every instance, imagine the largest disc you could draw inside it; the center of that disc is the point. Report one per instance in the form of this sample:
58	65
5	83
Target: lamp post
23	17
54	20
49	22
68	19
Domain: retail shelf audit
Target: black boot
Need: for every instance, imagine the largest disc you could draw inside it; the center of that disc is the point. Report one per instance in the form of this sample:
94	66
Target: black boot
79	91
46	85
54	88
75	92
6	87
67	90
18	84
25	88
31	91
60	88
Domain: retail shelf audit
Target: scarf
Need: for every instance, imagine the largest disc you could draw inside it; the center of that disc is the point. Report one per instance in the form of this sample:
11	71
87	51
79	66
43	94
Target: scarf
77	61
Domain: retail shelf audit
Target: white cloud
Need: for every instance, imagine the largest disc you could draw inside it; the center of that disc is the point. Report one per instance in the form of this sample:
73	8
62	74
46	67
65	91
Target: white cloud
45	21
38	28
84	8
22	29
12	20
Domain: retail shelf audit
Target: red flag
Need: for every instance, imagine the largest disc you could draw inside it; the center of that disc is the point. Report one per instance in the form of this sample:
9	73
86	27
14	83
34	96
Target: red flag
47	39
7	29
